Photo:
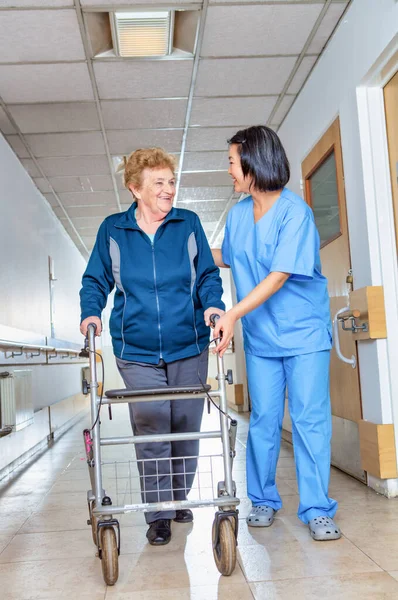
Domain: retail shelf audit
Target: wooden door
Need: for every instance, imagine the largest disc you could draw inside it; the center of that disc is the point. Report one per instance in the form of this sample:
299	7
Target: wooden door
324	191
391	110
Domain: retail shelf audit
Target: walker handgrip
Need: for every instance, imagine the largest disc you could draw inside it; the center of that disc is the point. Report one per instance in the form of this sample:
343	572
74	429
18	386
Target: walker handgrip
213	319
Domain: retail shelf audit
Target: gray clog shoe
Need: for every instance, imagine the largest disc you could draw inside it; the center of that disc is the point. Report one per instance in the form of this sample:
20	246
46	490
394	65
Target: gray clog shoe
260	516
323	529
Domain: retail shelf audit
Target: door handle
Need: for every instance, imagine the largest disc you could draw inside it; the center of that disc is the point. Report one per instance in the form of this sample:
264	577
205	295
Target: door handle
349	361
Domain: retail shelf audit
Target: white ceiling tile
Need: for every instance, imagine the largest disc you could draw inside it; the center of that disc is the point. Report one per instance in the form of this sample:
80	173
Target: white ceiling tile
326	27
207	216
17	145
204	206
42	185
35	3
88	211
66	144
125	142
69	199
125	207
53	202
5	124
230	111
157	79
273	1
92	183
74	165
125	3
44	35
243	76
46	118
146	114
197	194
302	74
126	197
258	29
45	83
30	167
85	223
215	138
283	109
205	178
197	161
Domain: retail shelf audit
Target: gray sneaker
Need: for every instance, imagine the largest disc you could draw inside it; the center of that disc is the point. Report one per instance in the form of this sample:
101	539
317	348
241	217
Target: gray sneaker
260	516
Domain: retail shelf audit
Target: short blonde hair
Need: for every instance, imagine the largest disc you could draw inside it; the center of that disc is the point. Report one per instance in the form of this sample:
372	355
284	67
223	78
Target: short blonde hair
145	158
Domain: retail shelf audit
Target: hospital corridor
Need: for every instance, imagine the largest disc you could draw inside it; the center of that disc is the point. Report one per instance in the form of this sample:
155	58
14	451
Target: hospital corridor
198	299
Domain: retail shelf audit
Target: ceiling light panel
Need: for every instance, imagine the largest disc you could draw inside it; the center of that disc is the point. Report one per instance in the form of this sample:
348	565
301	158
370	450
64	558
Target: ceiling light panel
44	35
215	138
125	142
143	33
263	29
73	165
59	117
23	84
205	178
189	194
302	73
227	111
143	114
326	28
243	76
157	78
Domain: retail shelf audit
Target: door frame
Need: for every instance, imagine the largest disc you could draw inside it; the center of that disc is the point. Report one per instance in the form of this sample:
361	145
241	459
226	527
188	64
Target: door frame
378	203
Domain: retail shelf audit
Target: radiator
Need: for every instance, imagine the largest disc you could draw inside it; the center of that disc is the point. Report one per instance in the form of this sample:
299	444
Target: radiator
16	403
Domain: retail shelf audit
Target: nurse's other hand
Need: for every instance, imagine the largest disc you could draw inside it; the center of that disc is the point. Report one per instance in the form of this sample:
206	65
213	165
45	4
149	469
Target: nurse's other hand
225	328
84	324
212	311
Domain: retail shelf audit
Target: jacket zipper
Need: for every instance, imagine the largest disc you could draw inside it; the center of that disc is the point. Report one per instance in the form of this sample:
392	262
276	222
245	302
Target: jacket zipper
157	298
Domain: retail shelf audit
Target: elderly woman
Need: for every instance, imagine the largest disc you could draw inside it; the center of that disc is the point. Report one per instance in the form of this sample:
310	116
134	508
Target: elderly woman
272	246
167	286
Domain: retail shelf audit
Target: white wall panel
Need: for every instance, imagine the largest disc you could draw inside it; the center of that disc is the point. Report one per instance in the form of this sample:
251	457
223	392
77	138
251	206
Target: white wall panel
45	83
258	29
44	35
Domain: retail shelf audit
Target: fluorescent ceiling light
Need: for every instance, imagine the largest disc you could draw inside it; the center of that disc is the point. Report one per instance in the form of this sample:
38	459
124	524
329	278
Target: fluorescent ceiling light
143	33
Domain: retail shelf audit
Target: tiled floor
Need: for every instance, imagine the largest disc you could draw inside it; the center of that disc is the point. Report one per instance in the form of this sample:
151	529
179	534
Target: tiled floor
46	550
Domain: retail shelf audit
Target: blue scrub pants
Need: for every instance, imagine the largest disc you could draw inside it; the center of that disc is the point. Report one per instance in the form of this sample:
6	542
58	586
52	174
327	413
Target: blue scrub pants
307	379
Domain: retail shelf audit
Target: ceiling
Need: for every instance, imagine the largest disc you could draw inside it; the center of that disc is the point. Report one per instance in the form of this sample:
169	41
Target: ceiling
70	117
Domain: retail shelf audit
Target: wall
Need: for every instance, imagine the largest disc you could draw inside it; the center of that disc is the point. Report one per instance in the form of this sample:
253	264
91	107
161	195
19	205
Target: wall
362	36
29	234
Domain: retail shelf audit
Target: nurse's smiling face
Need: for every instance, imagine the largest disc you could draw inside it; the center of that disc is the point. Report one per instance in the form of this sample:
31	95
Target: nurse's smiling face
241	183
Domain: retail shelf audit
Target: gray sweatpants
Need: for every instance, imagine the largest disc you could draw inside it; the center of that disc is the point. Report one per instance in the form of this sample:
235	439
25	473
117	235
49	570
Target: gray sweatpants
165	480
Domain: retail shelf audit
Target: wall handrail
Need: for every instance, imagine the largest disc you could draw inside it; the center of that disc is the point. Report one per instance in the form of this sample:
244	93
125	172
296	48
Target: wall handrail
25	348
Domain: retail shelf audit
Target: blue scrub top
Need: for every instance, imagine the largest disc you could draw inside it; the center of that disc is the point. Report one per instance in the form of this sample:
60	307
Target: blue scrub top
295	320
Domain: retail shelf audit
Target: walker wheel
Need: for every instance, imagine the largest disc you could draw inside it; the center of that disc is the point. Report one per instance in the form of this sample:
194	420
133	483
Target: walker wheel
109	555
94	522
224	549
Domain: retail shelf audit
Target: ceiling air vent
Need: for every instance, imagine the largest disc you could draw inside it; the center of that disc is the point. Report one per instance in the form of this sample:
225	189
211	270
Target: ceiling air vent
143	33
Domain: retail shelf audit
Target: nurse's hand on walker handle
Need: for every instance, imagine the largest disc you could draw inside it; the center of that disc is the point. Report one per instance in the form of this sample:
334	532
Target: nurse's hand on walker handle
224	328
97	322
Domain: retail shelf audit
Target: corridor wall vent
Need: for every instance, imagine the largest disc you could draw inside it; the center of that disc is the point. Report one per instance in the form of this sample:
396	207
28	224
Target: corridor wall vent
143	34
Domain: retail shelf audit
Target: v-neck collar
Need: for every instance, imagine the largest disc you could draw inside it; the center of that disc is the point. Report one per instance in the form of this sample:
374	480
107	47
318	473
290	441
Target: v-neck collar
270	210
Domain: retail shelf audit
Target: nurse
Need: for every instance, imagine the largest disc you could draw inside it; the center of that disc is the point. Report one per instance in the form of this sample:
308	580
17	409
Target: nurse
271	244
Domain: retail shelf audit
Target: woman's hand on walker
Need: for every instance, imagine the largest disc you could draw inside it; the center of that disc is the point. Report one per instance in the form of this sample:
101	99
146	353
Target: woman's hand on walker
224	328
212	311
84	324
